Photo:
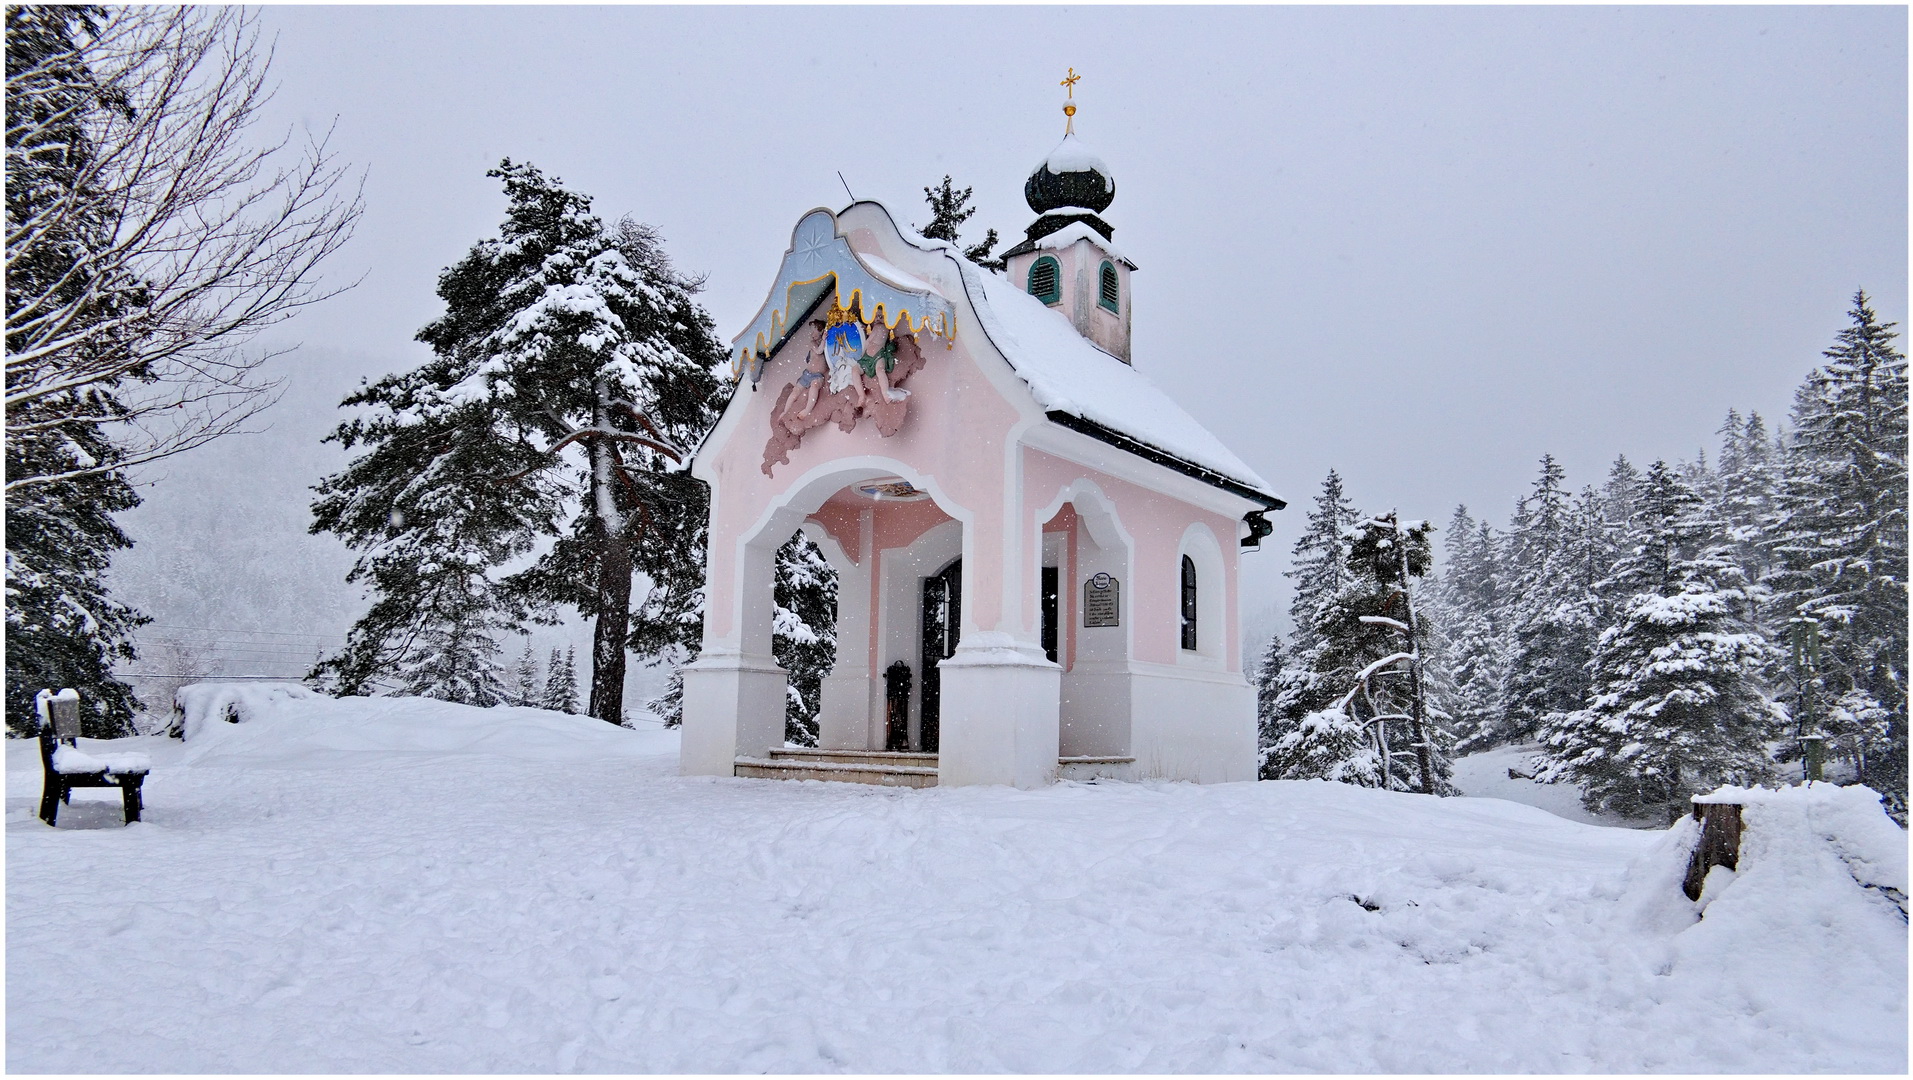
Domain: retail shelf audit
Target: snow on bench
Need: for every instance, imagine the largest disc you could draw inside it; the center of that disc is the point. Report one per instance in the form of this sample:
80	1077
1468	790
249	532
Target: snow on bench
68	767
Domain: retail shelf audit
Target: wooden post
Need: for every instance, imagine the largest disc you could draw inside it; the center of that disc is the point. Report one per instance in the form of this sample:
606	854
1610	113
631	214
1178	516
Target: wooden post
1720	829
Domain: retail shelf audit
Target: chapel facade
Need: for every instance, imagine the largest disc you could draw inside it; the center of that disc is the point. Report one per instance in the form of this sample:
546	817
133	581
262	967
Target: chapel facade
1036	548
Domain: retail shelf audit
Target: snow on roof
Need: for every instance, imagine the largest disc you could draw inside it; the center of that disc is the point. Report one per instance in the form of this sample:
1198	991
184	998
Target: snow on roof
1074	231
888	272
1068	374
1071	155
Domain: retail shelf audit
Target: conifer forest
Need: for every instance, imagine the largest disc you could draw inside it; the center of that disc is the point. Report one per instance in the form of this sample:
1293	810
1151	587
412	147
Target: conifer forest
1674	627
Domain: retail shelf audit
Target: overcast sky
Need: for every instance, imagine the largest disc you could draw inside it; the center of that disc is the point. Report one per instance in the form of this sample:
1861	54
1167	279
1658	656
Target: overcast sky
1423	246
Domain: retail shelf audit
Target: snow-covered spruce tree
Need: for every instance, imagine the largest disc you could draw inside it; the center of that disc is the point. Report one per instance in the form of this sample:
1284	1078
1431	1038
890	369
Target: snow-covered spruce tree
455	657
523	688
1351	696
804	632
1620	491
1467	606
570	368
64	477
1747	489
1841	539
63	627
1380	615
1583	603
1268	690
1678	706
949	209
561	682
1544	665
1318	565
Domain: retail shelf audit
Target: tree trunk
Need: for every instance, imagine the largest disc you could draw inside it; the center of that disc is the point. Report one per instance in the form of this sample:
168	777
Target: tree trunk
1417	688
613	628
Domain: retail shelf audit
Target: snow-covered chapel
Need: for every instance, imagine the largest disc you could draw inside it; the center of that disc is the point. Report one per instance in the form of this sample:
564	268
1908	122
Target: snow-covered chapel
1036	548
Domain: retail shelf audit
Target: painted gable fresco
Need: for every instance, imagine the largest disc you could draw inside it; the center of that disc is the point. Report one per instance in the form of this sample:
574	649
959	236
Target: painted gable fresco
852	369
858	321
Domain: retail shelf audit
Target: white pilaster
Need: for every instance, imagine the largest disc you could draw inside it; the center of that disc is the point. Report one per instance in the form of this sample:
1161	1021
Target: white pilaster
733	707
999	713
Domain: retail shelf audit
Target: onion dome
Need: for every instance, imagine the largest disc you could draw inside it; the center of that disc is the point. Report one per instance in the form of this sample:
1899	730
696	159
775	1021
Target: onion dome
1071	176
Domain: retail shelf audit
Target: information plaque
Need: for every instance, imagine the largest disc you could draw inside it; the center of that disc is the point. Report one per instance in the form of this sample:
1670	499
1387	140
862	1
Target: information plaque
1102	601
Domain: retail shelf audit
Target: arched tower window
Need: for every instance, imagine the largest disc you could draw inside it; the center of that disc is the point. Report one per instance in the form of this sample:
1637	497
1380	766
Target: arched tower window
1188	603
1046	280
1112	289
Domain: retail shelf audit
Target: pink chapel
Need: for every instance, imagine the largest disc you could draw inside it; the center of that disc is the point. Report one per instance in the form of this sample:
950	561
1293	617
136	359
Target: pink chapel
1036	548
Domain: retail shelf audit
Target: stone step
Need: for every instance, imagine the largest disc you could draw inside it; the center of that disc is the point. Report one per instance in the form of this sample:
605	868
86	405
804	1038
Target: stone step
1096	768
849	772
854	757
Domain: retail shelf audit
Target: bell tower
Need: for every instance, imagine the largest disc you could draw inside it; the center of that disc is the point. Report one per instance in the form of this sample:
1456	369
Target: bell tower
1066	258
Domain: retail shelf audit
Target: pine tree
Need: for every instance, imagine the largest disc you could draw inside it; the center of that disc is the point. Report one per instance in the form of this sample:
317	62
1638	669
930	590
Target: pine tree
1341	707
1379	615
1841	539
1749	487
804	632
1468	607
1543	673
561	682
949	209
63	627
1319	567
571	365
455	657
524	689
1365	732
1618	494
1268	688
1677	702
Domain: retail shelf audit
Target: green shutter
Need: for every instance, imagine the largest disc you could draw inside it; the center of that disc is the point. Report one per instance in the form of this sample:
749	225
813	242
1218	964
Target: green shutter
1046	280
1112	289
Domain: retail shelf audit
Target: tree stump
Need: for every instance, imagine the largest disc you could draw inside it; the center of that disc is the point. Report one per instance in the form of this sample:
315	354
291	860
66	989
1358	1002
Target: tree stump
1720	829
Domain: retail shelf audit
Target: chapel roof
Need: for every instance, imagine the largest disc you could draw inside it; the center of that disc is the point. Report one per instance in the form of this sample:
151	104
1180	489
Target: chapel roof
1072	379
1078	385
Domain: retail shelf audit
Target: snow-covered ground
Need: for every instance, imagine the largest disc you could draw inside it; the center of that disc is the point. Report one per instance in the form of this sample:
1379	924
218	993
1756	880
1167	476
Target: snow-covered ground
404	886
1485	776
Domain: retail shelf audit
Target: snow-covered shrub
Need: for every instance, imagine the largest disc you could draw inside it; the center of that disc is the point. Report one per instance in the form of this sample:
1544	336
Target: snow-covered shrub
1325	745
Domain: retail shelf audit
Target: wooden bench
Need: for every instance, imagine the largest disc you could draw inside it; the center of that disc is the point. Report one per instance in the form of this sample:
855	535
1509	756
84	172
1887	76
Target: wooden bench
68	768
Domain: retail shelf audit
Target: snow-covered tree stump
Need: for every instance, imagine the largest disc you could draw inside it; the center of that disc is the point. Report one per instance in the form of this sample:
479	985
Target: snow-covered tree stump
1720	828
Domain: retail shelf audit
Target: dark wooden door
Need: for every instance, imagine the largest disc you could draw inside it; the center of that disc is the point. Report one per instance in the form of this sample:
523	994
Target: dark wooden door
942	621
1052	602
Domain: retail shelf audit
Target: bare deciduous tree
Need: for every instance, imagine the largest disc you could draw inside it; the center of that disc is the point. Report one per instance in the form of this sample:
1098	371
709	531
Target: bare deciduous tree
158	241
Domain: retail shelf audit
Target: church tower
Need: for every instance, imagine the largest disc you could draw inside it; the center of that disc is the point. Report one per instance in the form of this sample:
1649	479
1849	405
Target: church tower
1066	258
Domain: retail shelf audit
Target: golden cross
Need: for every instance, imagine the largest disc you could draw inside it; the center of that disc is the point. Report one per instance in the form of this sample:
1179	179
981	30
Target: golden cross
1069	107
1071	82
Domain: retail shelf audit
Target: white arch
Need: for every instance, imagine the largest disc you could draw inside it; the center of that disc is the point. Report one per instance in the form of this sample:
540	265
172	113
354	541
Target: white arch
1200	546
1097	511
756	545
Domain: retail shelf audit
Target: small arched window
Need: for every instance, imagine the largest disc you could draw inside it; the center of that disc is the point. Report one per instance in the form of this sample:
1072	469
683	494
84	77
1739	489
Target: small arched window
1046	280
1112	289
1188	603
